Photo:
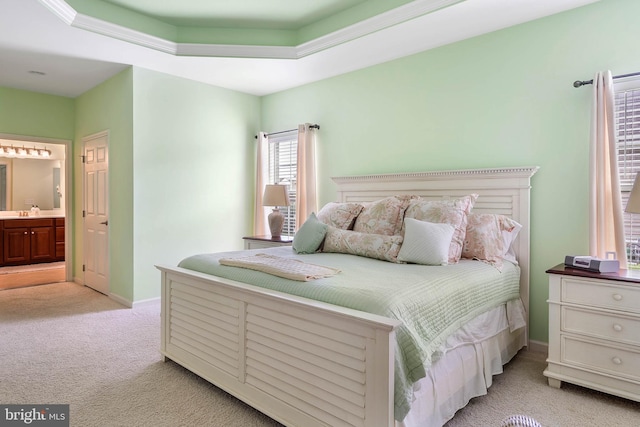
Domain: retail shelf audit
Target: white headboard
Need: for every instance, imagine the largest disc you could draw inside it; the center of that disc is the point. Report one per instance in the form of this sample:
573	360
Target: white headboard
501	190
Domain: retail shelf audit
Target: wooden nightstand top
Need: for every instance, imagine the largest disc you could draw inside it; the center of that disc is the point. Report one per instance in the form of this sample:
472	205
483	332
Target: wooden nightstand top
621	276
281	239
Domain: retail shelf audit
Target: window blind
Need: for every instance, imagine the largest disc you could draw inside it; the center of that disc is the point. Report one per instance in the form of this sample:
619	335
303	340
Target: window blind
627	131
283	169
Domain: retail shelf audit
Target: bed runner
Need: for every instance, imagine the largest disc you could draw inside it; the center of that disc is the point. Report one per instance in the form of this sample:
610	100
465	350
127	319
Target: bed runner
288	268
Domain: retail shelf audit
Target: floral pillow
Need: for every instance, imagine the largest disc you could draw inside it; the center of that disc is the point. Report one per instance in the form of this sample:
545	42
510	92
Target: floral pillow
340	215
383	216
485	239
451	211
368	245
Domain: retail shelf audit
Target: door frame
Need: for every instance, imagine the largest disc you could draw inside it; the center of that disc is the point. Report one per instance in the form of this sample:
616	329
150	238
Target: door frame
67	194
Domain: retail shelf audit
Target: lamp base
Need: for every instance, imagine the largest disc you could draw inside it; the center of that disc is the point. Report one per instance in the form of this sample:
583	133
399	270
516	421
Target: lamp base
276	221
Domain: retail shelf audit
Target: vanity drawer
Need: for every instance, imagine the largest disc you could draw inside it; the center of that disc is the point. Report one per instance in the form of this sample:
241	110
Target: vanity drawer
600	357
601	325
603	294
28	222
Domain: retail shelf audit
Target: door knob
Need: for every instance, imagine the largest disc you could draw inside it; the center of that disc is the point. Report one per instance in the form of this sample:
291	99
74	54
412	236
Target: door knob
105	222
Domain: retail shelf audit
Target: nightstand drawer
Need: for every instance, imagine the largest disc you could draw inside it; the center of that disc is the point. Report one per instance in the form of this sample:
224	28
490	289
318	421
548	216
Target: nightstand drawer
616	361
603	294
601	325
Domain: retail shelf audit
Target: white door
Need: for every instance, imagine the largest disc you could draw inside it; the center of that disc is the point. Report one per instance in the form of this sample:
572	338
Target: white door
96	210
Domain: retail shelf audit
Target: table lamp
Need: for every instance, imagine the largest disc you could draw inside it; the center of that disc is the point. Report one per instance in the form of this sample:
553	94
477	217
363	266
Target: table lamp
275	195
633	204
633	207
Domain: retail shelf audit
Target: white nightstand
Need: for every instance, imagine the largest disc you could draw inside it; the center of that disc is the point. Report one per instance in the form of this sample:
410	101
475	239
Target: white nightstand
260	242
594	330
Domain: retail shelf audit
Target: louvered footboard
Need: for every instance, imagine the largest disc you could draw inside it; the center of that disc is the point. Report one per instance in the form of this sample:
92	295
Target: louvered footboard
301	362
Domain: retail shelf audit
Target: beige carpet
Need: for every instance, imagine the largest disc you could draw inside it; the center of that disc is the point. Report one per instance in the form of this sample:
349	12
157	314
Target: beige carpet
64	343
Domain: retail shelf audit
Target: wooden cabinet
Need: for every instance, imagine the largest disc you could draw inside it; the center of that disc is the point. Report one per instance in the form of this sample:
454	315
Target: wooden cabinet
28	241
594	330
261	242
59	230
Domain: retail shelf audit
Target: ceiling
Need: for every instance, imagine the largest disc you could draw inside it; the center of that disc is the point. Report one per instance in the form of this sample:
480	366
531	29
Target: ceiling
253	46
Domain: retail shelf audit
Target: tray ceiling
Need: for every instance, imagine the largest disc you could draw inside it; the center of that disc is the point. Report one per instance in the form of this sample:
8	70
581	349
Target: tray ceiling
253	46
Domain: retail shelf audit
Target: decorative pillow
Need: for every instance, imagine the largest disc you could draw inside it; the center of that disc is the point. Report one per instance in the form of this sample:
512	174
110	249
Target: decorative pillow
368	245
309	236
426	242
485	240
450	211
340	215
383	216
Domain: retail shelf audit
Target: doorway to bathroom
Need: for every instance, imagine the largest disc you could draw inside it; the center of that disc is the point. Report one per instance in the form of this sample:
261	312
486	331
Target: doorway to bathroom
35	211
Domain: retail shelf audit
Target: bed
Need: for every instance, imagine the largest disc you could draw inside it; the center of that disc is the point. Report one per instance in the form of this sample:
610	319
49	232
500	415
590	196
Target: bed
220	328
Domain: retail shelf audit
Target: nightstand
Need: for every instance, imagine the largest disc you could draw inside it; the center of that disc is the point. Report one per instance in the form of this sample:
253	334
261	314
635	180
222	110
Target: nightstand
594	330
261	242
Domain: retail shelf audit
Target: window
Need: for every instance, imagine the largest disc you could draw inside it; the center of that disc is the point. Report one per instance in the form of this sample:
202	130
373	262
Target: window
627	128
283	158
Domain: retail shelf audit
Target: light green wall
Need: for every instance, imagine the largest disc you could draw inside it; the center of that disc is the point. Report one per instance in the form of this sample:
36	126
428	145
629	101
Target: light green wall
181	154
36	114
501	99
193	170
109	106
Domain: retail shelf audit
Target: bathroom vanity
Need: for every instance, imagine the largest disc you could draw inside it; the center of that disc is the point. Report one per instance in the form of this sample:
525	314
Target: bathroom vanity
31	240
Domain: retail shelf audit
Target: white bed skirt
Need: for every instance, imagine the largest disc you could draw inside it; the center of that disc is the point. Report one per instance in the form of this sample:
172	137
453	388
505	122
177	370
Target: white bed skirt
465	370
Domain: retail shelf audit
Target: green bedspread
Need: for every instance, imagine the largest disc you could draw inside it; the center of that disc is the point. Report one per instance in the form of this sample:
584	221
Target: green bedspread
431	301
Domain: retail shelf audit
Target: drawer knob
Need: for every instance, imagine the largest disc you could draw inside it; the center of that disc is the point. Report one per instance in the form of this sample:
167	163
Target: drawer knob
617	297
617	327
617	360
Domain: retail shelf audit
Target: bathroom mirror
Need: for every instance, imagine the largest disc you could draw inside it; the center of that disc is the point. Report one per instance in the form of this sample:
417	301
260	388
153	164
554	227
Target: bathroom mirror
26	181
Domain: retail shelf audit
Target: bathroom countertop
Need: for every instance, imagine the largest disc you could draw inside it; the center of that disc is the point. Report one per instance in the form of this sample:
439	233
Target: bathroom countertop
44	216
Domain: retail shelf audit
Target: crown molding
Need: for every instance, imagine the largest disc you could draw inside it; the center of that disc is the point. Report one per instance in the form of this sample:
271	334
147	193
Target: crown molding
61	9
386	19
236	51
116	31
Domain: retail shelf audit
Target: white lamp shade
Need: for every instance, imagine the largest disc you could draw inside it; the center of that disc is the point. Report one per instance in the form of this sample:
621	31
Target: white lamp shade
633	204
275	195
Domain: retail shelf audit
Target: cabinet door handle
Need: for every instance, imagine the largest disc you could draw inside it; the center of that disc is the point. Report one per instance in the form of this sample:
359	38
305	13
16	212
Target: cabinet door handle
105	222
617	360
617	327
617	297
25	233
33	232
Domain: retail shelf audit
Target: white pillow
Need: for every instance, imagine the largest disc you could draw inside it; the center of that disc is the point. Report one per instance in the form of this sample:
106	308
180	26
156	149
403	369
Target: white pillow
426	242
509	238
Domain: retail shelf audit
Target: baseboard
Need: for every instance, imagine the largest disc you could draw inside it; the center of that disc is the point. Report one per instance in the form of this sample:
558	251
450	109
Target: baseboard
538	346
145	302
121	300
134	304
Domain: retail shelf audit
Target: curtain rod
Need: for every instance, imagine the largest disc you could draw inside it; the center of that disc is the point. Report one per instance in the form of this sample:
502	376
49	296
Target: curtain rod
579	83
289	130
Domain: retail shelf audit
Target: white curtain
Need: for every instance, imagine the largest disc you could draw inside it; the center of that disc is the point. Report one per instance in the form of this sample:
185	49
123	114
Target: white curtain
262	175
606	228
306	183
